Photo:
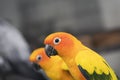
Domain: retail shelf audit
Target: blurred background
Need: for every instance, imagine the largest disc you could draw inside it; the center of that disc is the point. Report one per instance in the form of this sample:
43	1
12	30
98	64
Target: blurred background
25	23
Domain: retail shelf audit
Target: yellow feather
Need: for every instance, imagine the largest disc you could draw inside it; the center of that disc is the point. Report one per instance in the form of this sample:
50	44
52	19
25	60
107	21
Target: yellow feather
91	61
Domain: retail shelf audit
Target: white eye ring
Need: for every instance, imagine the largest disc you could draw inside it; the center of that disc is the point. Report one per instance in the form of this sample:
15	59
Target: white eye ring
56	40
39	57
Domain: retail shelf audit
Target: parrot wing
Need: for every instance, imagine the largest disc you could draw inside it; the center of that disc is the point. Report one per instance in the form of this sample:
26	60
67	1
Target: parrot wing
93	66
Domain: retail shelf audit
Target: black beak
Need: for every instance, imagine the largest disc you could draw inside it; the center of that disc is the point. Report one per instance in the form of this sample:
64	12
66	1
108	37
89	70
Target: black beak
50	51
36	67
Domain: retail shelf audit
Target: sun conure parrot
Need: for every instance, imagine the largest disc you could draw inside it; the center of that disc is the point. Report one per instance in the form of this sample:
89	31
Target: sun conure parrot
54	67
83	63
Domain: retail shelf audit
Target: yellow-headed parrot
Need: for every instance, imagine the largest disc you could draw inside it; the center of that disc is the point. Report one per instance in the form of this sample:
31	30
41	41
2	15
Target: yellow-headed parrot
54	67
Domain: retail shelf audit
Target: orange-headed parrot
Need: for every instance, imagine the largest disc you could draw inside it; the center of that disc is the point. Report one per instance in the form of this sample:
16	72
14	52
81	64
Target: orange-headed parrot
83	63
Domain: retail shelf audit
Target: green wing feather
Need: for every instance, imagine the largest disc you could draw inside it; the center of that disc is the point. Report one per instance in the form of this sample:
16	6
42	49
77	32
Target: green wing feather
95	76
93	66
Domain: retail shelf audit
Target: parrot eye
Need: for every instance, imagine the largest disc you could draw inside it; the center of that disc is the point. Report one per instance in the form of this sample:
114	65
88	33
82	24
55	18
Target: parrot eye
57	40
38	58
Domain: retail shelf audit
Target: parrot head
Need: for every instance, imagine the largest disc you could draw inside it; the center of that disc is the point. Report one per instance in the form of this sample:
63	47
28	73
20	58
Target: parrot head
38	58
59	43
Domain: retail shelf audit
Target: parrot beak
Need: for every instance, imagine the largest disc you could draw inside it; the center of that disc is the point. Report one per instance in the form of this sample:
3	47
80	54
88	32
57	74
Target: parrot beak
36	67
50	51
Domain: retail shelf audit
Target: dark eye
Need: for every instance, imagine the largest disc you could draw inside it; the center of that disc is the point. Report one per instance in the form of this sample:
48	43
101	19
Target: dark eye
38	58
57	40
